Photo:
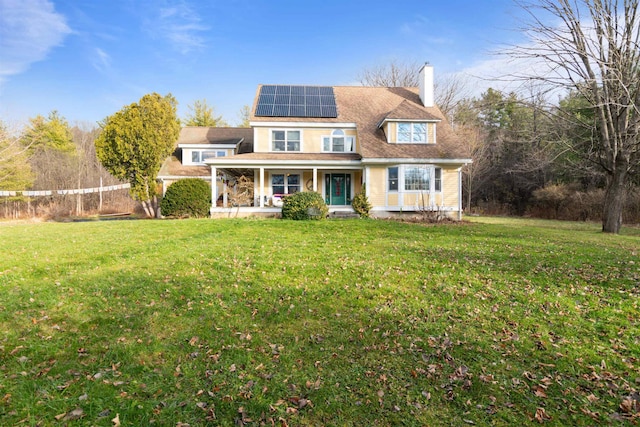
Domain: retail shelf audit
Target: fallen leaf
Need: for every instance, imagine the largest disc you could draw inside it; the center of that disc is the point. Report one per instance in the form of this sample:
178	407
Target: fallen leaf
74	415
541	415
116	421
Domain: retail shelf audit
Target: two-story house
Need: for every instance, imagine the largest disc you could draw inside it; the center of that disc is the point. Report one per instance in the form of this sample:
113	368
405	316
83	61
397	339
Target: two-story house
333	140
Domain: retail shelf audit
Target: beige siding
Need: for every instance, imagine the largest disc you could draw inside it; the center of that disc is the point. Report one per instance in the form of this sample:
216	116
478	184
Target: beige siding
311	138
377	186
450	187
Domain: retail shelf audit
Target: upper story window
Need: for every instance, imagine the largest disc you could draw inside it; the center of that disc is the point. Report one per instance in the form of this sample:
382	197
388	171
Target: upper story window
199	156
338	142
285	140
412	133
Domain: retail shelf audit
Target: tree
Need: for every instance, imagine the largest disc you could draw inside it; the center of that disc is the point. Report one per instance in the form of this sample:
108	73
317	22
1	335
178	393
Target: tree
245	116
201	114
596	52
448	89
52	133
15	171
135	141
393	74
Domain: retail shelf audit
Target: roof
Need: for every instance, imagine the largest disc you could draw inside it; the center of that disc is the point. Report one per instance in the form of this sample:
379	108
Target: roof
367	107
173	167
197	135
214	135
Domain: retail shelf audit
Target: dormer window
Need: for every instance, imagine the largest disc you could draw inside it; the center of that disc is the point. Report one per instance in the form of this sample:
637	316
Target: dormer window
412	133
338	142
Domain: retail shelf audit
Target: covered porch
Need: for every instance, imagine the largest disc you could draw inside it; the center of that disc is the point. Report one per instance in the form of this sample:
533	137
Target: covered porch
250	186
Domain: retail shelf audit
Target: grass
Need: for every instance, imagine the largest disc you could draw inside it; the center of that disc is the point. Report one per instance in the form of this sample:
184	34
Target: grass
263	322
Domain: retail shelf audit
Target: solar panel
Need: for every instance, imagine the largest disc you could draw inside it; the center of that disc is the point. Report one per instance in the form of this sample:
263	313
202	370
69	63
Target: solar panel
296	101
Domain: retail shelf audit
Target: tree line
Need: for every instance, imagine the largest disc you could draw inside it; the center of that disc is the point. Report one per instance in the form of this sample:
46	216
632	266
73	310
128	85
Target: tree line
50	154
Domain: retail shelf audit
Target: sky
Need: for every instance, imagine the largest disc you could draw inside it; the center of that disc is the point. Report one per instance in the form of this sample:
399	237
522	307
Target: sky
89	58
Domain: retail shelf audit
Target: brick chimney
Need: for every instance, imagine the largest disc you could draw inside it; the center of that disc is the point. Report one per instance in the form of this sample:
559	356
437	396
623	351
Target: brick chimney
426	85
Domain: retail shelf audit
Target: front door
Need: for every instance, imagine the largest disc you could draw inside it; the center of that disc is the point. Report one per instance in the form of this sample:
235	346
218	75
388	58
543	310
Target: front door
338	189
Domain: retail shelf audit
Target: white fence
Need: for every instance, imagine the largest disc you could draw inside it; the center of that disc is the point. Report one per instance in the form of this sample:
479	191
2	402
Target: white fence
64	192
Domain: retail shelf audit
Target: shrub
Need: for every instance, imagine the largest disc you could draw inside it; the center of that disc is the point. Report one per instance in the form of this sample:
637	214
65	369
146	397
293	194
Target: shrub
361	203
190	197
304	205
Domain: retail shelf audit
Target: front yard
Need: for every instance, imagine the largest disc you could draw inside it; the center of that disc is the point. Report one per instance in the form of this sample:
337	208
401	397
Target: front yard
272	322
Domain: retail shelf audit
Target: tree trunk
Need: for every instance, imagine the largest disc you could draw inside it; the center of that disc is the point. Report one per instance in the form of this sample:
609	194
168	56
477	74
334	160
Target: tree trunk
614	199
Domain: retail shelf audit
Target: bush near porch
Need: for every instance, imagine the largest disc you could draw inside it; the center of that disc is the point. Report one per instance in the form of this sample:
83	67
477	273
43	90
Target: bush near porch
189	197
304	205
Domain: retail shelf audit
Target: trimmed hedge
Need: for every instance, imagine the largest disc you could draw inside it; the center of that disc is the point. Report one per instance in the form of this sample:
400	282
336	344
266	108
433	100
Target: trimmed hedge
304	205
190	197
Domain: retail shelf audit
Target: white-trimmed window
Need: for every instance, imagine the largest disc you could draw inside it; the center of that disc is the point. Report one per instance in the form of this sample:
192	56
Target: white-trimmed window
285	140
422	178
285	183
412	133
417	178
393	178
199	156
338	142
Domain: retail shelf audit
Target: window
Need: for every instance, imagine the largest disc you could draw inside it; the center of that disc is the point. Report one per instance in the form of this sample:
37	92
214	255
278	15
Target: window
285	140
416	178
199	156
437	179
393	179
412	133
285	183
338	142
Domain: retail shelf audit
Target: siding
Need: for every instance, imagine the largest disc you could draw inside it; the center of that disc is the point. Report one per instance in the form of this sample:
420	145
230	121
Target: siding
311	138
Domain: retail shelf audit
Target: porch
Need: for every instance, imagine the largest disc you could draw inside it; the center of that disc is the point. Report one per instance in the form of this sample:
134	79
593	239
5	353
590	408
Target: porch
258	186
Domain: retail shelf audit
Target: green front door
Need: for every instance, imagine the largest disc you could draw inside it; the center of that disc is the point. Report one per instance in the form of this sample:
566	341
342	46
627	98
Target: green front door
338	189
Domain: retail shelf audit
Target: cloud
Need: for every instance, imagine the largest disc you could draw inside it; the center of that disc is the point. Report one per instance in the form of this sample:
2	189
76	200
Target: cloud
29	30
180	25
101	60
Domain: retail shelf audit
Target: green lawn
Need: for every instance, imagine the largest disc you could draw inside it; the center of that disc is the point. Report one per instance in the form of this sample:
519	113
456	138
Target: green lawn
355	323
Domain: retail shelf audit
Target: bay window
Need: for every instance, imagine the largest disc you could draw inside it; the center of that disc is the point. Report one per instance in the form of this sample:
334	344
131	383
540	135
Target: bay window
408	178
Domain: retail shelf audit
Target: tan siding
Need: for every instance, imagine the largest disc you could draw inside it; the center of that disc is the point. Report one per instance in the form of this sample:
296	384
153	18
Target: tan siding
377	186
392	199
311	138
450	187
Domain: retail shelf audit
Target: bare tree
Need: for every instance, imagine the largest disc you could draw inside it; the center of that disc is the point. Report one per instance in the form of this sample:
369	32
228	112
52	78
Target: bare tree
393	74
449	89
596	52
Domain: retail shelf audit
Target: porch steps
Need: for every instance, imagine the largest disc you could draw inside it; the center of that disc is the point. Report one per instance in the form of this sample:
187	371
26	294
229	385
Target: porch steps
343	215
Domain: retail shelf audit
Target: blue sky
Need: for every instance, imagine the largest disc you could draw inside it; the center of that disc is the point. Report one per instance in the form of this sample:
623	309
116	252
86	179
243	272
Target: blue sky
88	58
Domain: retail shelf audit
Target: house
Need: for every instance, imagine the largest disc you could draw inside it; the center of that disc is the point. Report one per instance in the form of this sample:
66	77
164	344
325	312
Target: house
333	140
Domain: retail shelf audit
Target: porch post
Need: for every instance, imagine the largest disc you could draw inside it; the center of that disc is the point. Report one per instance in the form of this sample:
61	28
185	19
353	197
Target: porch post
225	190
459	194
366	181
315	179
261	187
214	187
